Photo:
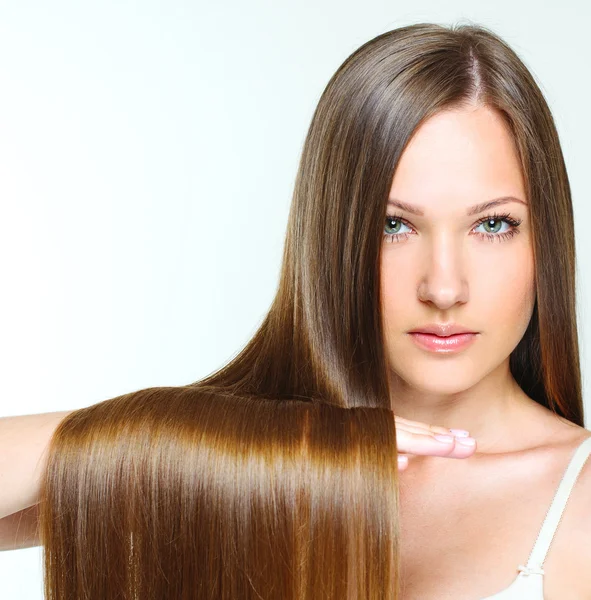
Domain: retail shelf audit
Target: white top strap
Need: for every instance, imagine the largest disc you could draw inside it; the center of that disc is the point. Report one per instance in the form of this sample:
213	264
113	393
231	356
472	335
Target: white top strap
554	514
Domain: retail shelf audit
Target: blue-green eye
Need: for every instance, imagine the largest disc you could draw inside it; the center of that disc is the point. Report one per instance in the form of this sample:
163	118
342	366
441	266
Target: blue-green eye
488	222
493	224
394	224
492	227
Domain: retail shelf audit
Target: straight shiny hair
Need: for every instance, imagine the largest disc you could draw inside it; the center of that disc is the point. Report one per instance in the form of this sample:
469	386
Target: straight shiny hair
276	477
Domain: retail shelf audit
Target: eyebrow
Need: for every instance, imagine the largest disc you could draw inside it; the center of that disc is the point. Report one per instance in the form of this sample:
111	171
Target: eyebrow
473	210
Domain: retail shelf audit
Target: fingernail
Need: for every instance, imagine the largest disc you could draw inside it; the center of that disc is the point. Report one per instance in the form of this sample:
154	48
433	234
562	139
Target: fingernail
444	438
468	441
402	461
460	432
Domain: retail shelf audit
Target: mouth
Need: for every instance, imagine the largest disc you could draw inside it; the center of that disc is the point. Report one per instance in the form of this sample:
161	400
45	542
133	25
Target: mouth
446	344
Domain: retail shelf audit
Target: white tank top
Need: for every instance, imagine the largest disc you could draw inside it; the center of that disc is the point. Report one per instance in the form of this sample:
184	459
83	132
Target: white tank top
529	583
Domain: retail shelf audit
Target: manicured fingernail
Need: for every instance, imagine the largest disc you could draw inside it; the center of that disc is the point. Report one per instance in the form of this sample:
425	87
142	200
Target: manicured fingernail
469	441
444	438
460	432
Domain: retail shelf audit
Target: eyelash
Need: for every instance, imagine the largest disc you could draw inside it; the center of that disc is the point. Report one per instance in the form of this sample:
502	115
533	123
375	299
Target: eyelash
506	235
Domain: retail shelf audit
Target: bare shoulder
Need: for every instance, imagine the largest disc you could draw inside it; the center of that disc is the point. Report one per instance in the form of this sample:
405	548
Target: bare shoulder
563	446
579	502
573	437
567	565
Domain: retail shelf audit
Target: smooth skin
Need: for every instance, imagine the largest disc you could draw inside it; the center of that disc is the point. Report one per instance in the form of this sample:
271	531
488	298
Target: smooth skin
465	525
446	265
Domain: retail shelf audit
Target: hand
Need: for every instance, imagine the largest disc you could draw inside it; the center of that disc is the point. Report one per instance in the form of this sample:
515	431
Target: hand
414	437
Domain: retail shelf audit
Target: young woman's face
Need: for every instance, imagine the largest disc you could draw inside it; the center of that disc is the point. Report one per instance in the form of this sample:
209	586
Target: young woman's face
475	270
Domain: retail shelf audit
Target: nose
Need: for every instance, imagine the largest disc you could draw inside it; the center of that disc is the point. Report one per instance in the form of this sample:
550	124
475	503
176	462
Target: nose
443	282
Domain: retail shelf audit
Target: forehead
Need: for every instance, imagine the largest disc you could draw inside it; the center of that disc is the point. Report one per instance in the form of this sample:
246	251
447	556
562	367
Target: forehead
457	159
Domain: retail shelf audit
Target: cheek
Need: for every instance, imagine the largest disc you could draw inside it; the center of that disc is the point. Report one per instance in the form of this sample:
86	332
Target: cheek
505	293
398	290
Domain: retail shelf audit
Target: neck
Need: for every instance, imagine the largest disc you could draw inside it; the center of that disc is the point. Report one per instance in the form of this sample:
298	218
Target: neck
495	410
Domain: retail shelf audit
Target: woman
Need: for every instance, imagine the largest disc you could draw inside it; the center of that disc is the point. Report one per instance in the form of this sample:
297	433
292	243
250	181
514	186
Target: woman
466	256
431	197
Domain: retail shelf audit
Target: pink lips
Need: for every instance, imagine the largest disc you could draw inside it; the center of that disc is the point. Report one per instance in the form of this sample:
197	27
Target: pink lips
447	344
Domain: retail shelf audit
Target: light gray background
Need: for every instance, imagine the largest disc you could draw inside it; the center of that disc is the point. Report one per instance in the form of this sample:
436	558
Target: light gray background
148	152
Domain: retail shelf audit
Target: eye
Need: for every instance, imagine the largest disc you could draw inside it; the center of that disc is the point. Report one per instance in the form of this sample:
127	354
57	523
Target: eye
492	224
394	223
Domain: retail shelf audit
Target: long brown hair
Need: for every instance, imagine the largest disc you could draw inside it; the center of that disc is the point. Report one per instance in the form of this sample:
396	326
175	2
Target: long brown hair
275	477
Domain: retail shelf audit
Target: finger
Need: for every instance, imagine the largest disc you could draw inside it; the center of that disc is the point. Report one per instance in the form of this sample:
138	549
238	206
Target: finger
428	445
425	429
419	426
459	438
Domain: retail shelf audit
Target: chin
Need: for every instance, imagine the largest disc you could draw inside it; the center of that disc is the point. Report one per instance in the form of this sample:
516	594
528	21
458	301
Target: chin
442	378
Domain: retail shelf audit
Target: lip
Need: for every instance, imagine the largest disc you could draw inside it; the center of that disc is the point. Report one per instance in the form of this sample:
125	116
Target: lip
443	344
443	329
